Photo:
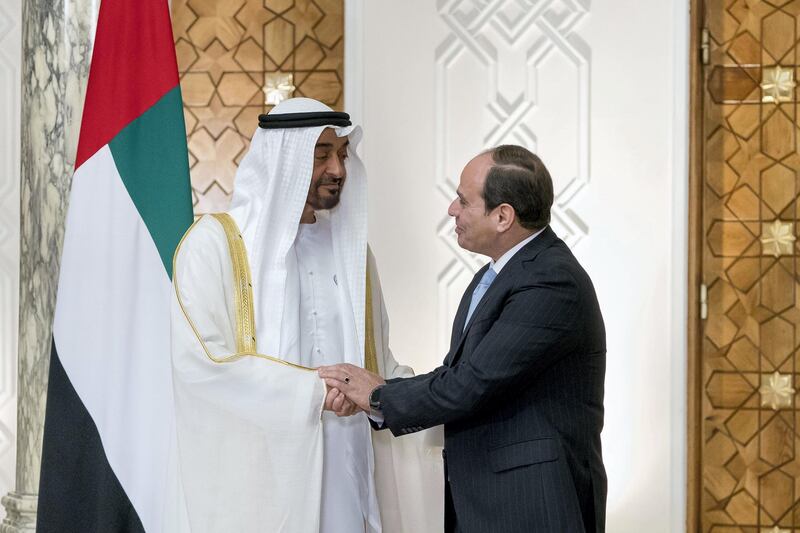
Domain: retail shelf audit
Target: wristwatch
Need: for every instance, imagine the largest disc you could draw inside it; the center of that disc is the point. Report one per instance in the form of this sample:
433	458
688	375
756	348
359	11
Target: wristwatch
375	401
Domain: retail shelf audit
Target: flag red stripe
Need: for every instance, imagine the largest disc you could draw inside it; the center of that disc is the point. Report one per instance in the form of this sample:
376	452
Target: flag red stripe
133	66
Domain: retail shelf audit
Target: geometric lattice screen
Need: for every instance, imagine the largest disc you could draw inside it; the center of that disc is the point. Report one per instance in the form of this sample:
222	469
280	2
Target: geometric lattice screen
750	442
512	71
229	52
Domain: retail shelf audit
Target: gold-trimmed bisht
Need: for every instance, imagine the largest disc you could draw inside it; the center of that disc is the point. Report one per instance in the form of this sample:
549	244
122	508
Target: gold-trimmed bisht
246	344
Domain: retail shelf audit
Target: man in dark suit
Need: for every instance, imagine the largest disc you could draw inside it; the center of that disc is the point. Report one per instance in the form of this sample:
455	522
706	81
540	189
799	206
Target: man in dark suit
520	393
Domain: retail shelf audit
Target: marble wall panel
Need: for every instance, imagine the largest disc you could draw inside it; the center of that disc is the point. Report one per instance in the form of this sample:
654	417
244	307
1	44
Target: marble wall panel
56	50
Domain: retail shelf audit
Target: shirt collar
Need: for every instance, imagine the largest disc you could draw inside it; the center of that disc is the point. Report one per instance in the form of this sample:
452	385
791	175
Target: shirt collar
506	257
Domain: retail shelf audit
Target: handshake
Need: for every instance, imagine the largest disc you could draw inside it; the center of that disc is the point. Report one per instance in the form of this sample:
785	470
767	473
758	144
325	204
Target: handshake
349	388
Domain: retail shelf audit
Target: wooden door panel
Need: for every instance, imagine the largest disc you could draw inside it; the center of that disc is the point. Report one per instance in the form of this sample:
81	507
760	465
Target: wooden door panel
236	59
749	465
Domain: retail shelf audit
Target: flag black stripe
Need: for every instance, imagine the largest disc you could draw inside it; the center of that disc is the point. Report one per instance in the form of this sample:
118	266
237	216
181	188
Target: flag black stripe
78	490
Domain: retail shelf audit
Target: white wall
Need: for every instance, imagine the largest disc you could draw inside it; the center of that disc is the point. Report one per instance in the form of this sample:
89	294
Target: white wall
598	90
10	47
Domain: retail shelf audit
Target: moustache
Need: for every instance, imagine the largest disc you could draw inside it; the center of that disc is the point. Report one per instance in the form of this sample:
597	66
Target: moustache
330	181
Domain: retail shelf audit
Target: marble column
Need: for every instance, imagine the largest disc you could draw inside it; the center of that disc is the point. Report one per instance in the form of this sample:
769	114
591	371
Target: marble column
56	50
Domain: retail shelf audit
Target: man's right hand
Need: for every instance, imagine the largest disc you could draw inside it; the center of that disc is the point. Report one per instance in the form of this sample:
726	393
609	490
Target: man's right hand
337	402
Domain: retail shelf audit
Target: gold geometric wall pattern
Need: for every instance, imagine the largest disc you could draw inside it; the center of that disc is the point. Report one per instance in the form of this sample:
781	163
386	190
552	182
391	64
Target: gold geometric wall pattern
750	357
228	52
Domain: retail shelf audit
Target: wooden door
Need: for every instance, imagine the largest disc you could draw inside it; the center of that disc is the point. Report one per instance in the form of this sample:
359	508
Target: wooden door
745	446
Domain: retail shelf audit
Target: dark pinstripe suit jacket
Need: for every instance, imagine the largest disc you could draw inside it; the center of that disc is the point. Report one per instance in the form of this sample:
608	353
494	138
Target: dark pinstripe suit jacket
520	395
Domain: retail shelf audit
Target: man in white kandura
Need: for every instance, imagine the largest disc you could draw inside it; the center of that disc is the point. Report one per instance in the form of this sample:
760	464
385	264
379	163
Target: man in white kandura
281	284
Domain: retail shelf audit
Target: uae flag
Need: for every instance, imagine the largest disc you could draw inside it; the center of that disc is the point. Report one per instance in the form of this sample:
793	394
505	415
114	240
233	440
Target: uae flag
109	429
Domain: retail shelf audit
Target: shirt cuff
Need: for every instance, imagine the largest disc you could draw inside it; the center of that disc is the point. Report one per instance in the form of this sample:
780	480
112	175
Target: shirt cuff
377	417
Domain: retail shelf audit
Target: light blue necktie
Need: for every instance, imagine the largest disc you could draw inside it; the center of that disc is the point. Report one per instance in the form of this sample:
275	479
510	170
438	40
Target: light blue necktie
480	290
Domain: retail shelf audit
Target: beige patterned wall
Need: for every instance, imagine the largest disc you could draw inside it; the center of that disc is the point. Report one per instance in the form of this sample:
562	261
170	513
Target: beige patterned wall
233	55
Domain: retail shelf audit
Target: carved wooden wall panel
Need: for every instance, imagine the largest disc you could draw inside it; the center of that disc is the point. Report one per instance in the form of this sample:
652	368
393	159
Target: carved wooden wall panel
750	441
235	54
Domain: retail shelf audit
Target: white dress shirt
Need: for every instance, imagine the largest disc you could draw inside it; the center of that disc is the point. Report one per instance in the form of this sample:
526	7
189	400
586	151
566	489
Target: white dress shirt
345	469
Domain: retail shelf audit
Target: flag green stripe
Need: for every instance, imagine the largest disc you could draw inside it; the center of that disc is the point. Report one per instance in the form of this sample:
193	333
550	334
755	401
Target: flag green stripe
150	154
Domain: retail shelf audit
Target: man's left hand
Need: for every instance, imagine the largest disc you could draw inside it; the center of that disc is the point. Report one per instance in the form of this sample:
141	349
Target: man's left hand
337	402
356	383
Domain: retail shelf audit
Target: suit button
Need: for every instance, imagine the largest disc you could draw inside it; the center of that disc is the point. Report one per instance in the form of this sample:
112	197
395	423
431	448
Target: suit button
444	454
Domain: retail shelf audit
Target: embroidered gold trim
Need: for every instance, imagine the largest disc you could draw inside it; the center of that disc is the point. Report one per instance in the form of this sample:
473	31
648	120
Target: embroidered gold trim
243	301
226	358
370	353
243	286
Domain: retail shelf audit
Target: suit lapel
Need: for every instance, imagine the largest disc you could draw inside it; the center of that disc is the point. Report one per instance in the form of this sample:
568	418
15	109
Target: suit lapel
527	253
463	308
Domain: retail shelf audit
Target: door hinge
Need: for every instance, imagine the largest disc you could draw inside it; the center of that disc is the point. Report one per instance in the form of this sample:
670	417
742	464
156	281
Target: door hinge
703	301
705	52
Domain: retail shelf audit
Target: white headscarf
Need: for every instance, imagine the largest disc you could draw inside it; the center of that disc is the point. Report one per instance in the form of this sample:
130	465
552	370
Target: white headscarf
270	191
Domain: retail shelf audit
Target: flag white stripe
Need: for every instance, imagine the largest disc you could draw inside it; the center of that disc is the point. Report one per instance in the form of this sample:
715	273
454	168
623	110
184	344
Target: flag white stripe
111	331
